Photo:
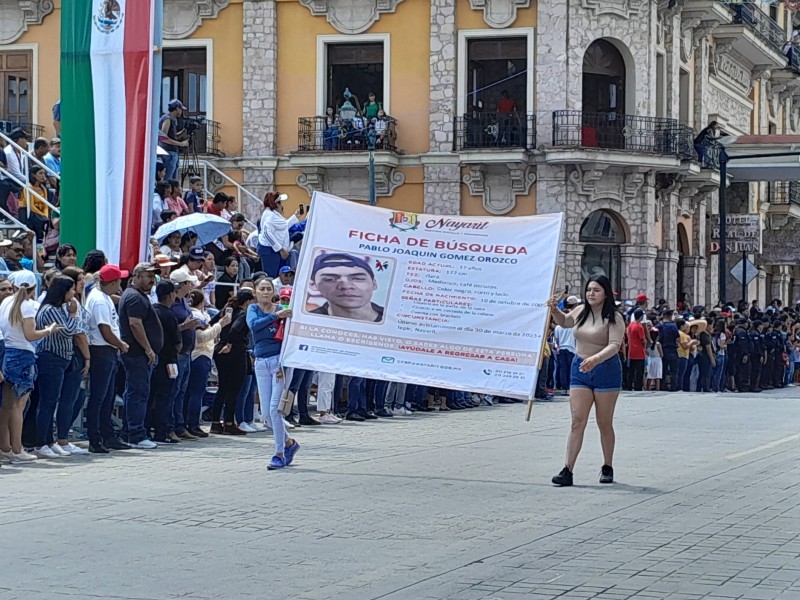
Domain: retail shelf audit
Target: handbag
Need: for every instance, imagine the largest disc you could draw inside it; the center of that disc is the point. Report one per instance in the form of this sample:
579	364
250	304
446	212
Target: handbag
286	403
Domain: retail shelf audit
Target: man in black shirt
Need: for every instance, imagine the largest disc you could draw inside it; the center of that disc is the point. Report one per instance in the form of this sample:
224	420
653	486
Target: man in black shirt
669	336
141	330
164	379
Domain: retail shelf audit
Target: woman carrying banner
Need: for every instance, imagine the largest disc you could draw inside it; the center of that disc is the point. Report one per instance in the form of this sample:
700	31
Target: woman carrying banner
274	241
596	374
263	320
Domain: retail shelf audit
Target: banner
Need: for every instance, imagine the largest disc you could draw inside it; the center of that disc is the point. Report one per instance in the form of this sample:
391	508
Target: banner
108	124
444	301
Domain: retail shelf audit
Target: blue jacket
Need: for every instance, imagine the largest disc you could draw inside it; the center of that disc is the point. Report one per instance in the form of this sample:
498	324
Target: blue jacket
263	327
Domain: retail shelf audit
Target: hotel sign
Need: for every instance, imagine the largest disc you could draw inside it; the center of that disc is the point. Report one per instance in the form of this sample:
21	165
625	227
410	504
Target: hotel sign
743	233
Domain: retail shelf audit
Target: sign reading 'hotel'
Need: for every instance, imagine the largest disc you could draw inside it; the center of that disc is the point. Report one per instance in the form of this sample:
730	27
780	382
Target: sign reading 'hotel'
743	233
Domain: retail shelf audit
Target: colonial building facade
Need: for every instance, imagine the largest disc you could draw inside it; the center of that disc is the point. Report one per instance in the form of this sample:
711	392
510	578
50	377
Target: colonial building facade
495	107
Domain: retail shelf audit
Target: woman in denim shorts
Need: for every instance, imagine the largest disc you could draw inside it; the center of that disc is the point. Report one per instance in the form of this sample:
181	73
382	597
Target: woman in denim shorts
17	322
596	374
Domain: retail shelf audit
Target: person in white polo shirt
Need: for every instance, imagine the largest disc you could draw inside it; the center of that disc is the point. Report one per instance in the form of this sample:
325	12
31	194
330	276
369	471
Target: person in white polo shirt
105	346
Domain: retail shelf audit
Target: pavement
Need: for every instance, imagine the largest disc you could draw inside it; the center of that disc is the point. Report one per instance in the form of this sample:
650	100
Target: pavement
430	507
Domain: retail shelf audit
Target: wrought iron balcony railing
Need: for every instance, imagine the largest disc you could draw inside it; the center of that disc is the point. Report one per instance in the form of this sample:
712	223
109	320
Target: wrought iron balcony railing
319	134
494	130
784	192
209	134
7	126
794	59
614	131
751	16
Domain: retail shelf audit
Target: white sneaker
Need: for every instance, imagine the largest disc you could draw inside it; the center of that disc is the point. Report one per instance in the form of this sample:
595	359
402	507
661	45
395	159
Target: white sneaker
45	452
59	450
246	428
73	449
145	445
287	424
328	419
257	427
22	457
7	457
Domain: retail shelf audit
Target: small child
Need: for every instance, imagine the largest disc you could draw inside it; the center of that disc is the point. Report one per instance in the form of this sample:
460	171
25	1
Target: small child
194	195
654	362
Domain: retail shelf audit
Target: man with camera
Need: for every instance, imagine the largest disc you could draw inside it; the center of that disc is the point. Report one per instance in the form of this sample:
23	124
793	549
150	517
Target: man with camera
170	139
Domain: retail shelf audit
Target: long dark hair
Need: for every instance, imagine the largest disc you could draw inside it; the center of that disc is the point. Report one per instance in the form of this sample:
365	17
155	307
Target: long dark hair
238	301
57	291
609	309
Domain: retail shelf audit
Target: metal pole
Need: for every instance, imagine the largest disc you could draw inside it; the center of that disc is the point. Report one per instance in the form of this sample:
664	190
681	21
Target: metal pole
723	229
744	275
372	138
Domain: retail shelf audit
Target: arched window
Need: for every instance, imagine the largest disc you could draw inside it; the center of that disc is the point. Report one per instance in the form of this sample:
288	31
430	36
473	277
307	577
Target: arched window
603	78
602	233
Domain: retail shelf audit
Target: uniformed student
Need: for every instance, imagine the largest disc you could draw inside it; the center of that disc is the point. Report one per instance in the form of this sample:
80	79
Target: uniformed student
742	349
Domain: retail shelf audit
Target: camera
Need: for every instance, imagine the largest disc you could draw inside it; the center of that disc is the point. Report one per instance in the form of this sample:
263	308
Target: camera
191	124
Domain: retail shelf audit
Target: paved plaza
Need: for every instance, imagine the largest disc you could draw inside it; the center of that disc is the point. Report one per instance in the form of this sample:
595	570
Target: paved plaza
430	507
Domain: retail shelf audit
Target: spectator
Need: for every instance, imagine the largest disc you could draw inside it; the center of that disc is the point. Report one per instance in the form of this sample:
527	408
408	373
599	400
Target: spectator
174	199
564	341
17	323
507	116
57	118
172	246
209	270
52	161
141	330
232	361
105	346
168	137
14	157
66	256
217	204
53	358
654	361
187	326
229	209
637	341
225	287
165	371
703	142
274	242
92	263
193	198
372	107
285	278
41	148
159	203
330	135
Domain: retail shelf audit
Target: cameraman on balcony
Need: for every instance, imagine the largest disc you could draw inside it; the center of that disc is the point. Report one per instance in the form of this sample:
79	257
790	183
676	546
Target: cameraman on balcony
704	140
169	136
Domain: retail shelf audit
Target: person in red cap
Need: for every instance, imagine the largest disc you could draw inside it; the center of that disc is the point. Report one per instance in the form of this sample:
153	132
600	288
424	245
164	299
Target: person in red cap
105	346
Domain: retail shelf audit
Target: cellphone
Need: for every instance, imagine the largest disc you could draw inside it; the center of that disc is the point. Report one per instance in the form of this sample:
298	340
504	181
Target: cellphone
566	289
229	312
302	208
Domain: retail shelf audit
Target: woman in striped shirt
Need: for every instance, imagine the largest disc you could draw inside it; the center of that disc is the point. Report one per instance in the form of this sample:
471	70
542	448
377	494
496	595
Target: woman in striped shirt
53	358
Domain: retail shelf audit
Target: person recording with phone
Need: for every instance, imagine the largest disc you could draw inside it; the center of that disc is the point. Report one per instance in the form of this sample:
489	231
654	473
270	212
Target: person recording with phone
274	241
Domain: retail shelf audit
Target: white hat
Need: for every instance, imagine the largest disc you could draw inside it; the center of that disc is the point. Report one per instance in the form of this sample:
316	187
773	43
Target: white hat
181	276
573	300
23	278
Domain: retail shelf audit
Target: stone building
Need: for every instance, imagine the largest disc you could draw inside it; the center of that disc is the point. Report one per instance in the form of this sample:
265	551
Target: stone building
498	107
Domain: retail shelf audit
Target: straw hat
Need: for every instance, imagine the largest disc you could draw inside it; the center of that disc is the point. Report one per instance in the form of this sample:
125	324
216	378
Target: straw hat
701	324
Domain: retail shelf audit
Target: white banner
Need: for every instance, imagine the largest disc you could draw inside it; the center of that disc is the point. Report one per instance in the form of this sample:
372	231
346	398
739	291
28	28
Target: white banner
451	302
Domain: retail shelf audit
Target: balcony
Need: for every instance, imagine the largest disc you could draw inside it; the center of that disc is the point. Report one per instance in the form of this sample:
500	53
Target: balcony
208	138
315	135
753	34
656	138
7	126
784	202
493	131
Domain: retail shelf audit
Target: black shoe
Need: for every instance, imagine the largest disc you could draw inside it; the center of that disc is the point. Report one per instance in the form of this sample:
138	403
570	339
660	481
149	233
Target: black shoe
606	474
354	417
454	406
564	478
166	440
292	419
98	449
115	444
410	407
504	400
370	415
384	413
308	421
196	431
206	416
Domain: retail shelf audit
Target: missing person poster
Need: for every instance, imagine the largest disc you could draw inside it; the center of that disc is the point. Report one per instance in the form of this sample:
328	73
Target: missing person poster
445	301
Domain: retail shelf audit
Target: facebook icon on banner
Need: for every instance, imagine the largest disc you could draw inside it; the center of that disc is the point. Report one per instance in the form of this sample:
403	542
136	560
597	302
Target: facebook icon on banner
303	347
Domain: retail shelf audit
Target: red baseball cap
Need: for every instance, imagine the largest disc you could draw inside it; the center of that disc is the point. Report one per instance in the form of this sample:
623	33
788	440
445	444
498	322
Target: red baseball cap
642	298
110	273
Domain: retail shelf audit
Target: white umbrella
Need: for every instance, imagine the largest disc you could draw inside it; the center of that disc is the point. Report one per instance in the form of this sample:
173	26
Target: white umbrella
208	228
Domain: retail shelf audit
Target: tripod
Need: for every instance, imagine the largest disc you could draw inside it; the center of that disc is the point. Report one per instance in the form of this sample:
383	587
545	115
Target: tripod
189	161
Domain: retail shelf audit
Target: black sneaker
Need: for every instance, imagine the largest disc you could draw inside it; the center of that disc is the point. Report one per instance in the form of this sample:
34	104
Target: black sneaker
384	413
354	417
606	474
98	449
369	415
564	478
116	444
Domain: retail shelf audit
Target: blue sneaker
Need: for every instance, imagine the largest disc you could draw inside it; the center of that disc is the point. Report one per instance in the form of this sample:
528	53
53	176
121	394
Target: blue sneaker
290	451
276	463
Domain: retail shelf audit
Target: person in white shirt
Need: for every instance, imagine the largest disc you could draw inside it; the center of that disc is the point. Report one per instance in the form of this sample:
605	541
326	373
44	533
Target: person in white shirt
274	241
17	165
284	279
17	322
564	340
105	344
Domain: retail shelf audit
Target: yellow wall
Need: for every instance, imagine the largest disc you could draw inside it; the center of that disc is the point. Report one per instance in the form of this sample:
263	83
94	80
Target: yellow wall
226	33
47	38
409	70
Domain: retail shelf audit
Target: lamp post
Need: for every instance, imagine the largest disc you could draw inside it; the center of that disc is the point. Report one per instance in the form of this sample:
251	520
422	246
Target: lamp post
371	139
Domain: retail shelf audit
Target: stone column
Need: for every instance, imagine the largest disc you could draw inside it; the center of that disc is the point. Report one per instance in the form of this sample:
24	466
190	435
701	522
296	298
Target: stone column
638	270
570	262
795	297
672	41
259	104
552	60
781	285
694	275
701	84
666	276
442	187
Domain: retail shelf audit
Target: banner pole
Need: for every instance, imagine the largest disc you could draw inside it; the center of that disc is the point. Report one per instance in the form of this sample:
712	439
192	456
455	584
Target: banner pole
544	340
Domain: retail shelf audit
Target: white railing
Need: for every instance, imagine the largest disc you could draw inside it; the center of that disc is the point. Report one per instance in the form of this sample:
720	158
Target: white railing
26	188
31	156
241	192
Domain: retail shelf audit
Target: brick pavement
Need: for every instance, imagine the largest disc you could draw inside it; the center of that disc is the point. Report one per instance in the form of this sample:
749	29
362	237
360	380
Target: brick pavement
430	507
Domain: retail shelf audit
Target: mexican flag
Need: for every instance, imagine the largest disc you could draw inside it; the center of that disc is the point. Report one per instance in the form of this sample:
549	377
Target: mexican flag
109	124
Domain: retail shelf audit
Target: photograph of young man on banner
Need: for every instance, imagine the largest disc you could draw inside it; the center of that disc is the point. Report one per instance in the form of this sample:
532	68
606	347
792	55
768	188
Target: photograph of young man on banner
349	286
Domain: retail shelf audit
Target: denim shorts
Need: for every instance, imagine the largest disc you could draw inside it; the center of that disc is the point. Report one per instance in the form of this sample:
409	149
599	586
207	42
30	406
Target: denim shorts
605	377
19	369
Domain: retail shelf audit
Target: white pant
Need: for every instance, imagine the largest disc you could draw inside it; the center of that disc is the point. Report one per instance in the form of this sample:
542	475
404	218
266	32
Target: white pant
269	395
325	384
